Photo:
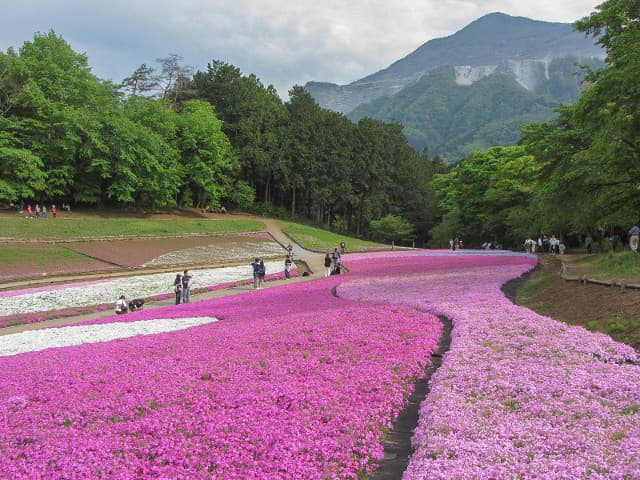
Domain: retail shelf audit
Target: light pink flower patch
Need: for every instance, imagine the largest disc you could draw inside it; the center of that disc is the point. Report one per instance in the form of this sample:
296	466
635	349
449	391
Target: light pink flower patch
519	395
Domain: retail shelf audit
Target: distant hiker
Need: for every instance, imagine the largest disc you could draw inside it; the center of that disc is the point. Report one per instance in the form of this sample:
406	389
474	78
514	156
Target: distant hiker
136	304
186	286
37	211
287	267
121	305
262	271
44	211
256	267
53	210
177	288
589	243
290	250
343	247
327	265
615	238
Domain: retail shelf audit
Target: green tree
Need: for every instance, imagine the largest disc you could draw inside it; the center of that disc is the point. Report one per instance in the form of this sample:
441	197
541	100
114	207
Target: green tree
392	228
208	164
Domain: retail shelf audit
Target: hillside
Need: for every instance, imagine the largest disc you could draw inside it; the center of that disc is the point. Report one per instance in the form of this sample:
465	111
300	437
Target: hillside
453	119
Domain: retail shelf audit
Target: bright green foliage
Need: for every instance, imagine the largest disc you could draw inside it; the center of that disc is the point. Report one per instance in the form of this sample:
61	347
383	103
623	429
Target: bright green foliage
485	198
392	228
208	164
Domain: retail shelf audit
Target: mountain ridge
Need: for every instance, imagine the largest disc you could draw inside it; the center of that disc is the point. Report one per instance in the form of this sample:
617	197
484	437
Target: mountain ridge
494	43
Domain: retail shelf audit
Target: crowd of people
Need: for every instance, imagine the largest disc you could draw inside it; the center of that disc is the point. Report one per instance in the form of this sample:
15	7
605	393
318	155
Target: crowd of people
38	210
544	244
555	246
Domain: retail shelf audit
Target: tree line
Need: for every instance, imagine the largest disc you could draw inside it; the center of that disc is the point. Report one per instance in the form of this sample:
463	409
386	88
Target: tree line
169	137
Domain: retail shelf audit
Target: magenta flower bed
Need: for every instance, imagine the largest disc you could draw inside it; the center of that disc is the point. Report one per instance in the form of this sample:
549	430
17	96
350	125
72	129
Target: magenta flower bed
519	395
291	383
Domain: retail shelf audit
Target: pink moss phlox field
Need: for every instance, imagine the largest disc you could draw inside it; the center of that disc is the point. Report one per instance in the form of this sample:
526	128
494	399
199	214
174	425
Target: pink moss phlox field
291	383
519	395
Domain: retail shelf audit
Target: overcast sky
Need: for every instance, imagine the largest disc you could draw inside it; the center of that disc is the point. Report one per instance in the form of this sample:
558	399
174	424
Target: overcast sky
283	43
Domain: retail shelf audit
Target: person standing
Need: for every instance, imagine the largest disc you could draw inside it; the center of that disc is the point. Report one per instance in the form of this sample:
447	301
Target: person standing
343	247
634	236
29	211
262	271
290	250
327	265
53	210
589	243
177	287
37	210
256	267
615	238
287	267
336	256
186	286
44	211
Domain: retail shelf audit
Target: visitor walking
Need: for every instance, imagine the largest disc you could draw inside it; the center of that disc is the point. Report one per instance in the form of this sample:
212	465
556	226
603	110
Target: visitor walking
615	238
256	268
336	256
262	271
287	267
343	247
589	243
53	210
327	265
187	279
177	287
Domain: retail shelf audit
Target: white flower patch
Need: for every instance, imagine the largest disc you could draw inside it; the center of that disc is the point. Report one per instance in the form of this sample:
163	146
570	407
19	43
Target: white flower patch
247	249
139	286
36	340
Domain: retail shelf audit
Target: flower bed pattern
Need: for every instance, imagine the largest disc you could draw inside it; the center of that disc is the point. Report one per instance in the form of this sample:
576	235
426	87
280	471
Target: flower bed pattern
293	382
519	395
213	276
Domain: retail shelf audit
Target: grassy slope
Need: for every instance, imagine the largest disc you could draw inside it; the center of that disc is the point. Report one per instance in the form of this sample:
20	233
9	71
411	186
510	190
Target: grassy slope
312	238
87	227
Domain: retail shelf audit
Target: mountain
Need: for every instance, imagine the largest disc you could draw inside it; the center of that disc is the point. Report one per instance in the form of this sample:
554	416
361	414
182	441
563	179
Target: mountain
496	43
474	89
453	119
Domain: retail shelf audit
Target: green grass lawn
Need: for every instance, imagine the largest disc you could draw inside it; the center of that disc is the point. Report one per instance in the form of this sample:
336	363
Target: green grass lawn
312	238
83	227
10	256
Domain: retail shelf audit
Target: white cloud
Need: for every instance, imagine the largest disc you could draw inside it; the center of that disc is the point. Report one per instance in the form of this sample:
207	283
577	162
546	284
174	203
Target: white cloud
283	43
